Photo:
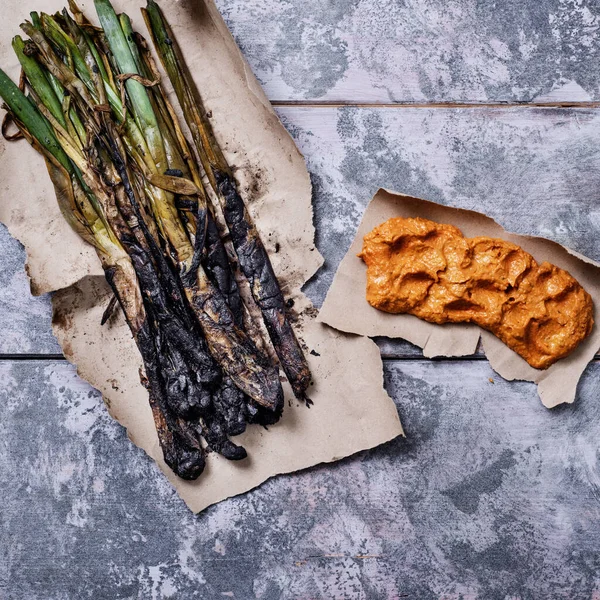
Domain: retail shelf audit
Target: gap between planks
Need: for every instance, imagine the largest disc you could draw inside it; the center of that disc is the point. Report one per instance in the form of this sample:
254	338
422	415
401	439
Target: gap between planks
385	357
374	105
446	105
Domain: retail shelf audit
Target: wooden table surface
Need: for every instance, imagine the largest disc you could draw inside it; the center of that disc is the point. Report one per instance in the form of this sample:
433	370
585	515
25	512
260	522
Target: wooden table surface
490	496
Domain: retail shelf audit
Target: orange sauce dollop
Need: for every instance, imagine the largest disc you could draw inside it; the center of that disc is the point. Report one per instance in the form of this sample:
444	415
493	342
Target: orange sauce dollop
432	271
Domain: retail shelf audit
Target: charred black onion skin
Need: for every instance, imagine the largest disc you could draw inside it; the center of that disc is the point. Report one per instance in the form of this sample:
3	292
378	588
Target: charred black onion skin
169	306
217	321
177	396
179	437
220	271
216	437
114	161
228	405
256	266
236	408
185	460
230	402
187	398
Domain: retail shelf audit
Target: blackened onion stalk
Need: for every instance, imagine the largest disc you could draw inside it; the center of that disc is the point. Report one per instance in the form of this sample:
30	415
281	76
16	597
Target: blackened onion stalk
251	253
128	182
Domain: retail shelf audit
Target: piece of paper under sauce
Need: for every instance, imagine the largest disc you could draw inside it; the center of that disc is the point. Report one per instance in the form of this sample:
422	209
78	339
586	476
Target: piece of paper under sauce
346	308
351	410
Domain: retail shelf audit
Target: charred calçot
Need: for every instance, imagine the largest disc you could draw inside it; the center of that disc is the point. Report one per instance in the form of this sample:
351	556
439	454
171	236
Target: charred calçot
178	389
128	183
257	268
252	256
191	392
238	406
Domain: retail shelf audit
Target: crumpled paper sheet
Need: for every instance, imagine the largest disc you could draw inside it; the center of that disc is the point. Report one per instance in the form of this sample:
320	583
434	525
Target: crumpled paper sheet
351	411
346	308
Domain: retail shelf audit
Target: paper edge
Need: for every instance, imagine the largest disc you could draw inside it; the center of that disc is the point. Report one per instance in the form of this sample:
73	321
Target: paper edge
540	388
255	90
369	446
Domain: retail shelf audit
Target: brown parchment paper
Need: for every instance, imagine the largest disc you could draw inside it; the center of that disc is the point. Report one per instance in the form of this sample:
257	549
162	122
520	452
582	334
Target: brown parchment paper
351	411
346	308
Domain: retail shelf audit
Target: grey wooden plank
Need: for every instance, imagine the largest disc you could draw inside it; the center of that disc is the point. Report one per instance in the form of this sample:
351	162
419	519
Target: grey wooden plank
536	171
490	496
533	170
24	320
433	51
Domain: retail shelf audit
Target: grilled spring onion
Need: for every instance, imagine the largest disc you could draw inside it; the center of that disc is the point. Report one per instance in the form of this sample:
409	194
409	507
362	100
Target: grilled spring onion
252	256
126	199
128	183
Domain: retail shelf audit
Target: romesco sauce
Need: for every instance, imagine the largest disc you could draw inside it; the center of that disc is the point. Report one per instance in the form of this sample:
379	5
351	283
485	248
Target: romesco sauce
432	271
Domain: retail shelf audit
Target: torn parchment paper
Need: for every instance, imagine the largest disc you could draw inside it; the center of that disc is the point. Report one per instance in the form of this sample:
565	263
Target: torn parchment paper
347	309
351	410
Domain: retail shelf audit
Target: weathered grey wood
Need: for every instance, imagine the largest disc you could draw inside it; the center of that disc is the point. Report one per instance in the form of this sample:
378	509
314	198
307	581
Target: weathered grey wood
490	496
423	51
536	171
24	320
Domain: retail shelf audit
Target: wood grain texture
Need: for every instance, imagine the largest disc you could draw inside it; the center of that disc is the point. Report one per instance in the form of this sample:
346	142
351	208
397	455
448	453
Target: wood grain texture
24	320
490	496
420	50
